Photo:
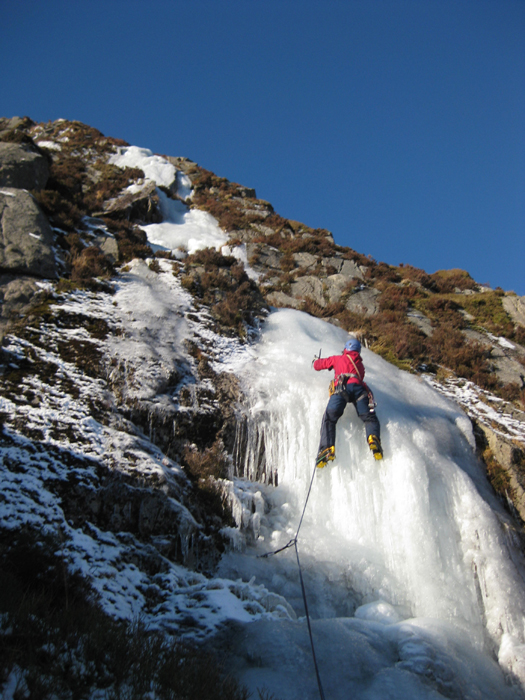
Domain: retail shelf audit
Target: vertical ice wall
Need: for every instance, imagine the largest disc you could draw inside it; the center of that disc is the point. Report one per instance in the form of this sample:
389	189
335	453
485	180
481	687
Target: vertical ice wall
421	530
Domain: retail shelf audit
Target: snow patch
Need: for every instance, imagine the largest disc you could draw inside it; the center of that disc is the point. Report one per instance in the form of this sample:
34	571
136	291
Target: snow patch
155	168
50	145
185	229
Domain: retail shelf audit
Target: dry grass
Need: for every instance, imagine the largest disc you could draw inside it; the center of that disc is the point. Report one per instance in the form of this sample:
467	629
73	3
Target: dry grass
221	283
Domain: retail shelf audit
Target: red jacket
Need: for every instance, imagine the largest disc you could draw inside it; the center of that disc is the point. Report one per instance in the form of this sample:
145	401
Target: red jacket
341	364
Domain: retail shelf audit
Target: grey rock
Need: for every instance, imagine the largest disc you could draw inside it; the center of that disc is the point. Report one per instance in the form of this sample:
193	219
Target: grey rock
143	204
348	268
335	286
508	369
352	269
16	292
189	167
245	192
305	260
477	336
16	295
336	263
505	359
364	302
109	246
468	317
9	124
515	307
509	457
261	228
267	257
282	300
308	286
22	167
421	321
259	213
26	238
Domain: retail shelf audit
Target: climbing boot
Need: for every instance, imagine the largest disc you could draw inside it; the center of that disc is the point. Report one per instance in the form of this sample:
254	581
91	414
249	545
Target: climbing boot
325	456
375	445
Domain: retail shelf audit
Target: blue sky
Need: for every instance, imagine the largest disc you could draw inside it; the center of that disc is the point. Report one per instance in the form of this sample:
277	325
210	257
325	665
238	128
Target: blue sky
399	125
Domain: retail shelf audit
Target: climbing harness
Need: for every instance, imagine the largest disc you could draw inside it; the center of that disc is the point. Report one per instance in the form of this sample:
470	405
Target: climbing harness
371	402
337	387
293	543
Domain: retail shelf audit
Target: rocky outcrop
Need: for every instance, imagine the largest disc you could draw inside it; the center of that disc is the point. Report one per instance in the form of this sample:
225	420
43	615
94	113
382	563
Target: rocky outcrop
346	268
16	293
506	358
152	511
264	257
283	300
309	286
421	321
364	301
26	238
140	204
305	260
515	307
23	167
505	461
8	125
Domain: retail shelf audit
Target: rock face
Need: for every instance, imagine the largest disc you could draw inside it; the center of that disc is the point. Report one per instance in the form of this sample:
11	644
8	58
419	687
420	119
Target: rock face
15	293
309	286
507	358
364	301
515	307
508	457
22	167
421	321
142	205
26	237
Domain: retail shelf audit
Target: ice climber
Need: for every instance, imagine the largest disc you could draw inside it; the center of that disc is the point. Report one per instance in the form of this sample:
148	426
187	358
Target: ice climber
347	387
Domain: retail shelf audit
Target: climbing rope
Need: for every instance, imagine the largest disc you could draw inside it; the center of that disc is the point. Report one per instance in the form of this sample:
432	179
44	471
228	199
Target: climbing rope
293	543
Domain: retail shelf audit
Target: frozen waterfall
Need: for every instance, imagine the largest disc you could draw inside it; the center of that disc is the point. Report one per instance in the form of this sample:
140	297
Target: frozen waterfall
415	582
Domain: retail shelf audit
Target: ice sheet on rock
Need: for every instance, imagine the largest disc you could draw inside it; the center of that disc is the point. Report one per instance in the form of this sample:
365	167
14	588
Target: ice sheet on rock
421	531
151	309
184	188
366	660
183	228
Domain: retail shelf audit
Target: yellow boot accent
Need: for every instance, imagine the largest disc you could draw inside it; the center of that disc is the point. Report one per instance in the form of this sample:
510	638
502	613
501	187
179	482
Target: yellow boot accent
375	446
325	456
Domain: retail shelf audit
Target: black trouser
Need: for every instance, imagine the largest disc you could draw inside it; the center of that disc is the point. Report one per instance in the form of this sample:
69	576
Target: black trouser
356	394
